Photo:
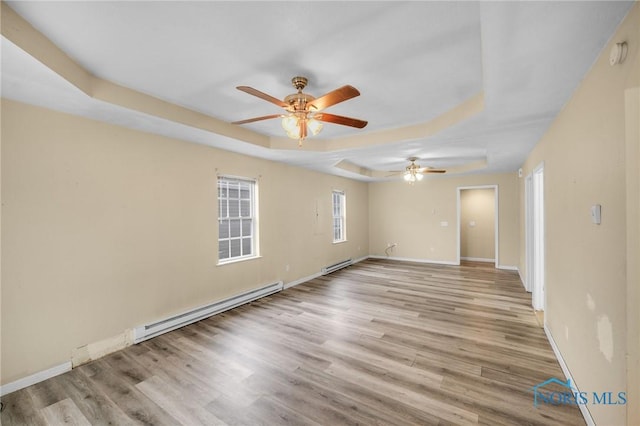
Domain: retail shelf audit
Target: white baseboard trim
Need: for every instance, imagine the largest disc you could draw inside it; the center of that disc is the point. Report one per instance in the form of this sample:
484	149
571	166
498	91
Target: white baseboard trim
97	350
507	267
316	275
522	280
35	378
409	259
360	259
565	369
478	259
302	280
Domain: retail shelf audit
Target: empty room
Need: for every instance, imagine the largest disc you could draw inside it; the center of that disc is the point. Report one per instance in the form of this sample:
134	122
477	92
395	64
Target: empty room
270	213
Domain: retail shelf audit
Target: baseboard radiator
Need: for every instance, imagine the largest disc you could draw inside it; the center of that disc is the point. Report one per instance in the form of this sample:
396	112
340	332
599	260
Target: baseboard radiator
157	328
332	268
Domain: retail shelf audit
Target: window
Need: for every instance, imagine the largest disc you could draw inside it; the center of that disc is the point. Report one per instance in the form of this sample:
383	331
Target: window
339	217
236	219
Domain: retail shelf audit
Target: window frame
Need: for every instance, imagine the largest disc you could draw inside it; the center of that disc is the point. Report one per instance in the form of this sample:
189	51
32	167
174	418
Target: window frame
340	215
252	216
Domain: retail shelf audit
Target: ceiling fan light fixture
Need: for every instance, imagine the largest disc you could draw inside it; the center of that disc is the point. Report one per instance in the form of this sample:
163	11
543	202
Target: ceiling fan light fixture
291	123
314	126
413	172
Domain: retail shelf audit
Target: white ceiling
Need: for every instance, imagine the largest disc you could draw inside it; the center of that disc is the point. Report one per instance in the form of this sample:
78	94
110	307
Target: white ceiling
411	61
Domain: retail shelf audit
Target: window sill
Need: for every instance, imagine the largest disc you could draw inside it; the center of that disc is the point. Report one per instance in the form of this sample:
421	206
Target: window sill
340	242
244	259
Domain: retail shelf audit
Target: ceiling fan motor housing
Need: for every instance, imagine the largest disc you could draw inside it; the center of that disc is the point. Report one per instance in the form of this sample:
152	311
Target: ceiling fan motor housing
298	101
299	82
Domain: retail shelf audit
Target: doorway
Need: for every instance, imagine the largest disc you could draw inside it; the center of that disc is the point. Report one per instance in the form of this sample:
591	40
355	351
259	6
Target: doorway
478	224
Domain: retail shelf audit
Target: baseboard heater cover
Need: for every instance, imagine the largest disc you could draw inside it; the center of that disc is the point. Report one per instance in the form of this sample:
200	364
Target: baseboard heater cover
157	328
332	268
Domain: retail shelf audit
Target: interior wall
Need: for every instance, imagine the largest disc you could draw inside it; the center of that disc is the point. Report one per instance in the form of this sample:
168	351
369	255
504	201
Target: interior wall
633	250
422	218
586	285
107	228
1	373
477	224
632	158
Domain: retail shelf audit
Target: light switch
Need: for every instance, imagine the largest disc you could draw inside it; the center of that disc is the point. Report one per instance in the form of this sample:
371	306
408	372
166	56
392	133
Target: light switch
472	223
596	212
444	224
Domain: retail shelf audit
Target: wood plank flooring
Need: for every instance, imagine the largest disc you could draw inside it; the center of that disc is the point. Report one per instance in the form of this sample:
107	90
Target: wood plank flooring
381	342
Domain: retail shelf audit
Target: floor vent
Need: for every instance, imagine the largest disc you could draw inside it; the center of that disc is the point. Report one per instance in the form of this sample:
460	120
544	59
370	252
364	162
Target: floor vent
332	268
148	331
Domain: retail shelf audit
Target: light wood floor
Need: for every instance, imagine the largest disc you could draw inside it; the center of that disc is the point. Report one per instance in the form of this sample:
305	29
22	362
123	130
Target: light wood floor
380	342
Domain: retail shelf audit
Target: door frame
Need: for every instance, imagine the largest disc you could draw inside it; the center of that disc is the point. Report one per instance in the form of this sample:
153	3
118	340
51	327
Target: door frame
528	232
538	298
496	220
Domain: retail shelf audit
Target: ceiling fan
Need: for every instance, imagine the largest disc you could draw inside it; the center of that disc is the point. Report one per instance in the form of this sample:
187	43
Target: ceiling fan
303	112
414	172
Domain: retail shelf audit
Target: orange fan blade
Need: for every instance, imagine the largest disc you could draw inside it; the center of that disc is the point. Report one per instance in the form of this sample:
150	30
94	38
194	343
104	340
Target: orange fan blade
339	119
251	120
262	95
339	95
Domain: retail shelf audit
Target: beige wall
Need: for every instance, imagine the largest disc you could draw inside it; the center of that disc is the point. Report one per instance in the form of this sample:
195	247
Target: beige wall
632	134
0	245
411	216
584	164
477	223
106	228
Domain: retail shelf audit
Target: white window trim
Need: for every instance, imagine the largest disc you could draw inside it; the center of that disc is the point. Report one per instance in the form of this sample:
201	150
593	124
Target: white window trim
254	221
343	216
237	260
